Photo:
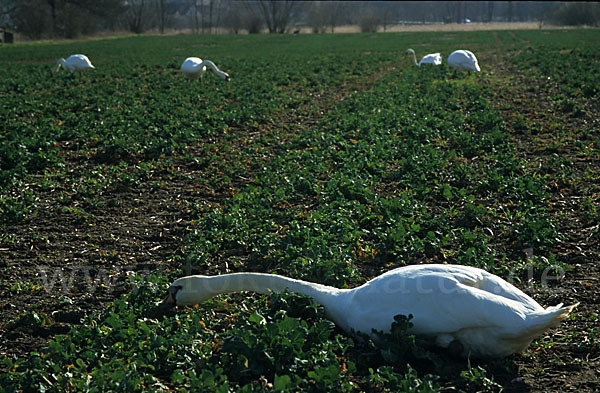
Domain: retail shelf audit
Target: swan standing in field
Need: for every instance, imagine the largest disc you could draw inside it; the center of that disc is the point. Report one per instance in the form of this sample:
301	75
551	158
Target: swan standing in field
194	68
74	63
463	60
432	58
456	304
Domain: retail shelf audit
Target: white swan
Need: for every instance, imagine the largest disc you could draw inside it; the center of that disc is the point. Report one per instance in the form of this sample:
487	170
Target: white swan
194	68
463	60
488	316
74	63
432	58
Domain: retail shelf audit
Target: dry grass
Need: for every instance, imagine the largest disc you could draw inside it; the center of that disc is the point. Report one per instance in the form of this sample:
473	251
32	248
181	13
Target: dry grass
450	27
348	29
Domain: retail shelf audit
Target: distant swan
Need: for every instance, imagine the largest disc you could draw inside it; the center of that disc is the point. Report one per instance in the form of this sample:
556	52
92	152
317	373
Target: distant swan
463	60
433	58
74	63
194	68
456	304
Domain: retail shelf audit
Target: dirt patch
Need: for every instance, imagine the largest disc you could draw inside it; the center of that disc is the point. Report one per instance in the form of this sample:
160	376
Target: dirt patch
569	357
65	263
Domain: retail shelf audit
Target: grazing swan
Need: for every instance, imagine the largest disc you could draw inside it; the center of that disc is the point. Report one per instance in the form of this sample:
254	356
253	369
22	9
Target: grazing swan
463	60
74	63
485	315
194	68
433	58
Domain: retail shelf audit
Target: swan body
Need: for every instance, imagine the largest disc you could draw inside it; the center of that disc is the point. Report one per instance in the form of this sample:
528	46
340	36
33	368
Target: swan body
432	58
488	316
74	63
194	68
463	60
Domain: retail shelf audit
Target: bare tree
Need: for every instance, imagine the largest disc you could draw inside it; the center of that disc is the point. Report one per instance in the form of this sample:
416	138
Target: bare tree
253	24
67	18
370	19
509	11
7	7
334	11
253	18
318	16
192	5
577	14
387	14
277	13
33	18
215	8
233	17
490	10
201	10
135	15
162	15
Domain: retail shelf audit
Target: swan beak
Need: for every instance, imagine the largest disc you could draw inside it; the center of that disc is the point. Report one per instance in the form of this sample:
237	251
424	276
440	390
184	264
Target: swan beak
227	78
171	295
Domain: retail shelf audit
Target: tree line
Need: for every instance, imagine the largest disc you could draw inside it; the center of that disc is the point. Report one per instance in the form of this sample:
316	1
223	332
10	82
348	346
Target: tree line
71	18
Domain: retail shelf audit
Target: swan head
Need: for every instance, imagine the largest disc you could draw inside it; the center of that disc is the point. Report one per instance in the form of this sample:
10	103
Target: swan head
59	63
223	75
409	52
189	290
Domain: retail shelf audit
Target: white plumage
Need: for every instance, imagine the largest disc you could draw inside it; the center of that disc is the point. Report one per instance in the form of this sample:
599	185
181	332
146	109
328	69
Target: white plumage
488	316
463	60
432	58
194	68
74	63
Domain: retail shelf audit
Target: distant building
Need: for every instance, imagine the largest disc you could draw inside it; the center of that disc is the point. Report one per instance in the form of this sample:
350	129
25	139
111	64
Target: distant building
6	37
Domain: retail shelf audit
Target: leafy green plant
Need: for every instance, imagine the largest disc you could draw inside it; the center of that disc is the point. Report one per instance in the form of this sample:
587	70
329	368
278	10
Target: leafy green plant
472	216
537	232
476	379
409	382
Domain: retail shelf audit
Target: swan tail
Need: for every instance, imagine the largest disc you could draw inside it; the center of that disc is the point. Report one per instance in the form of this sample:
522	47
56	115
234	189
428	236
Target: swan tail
561	312
550	317
536	325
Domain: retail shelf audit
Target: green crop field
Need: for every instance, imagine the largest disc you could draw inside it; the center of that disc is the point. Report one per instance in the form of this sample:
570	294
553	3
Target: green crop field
328	158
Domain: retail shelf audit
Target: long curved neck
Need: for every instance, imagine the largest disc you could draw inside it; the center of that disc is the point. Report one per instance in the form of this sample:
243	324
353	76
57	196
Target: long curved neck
265	283
214	68
415	58
329	297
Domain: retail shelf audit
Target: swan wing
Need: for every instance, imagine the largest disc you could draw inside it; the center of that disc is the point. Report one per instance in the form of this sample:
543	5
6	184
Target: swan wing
192	67
463	59
78	63
191	62
441	298
432	58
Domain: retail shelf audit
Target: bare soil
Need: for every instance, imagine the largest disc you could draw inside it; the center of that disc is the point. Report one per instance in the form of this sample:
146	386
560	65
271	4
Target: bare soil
571	362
